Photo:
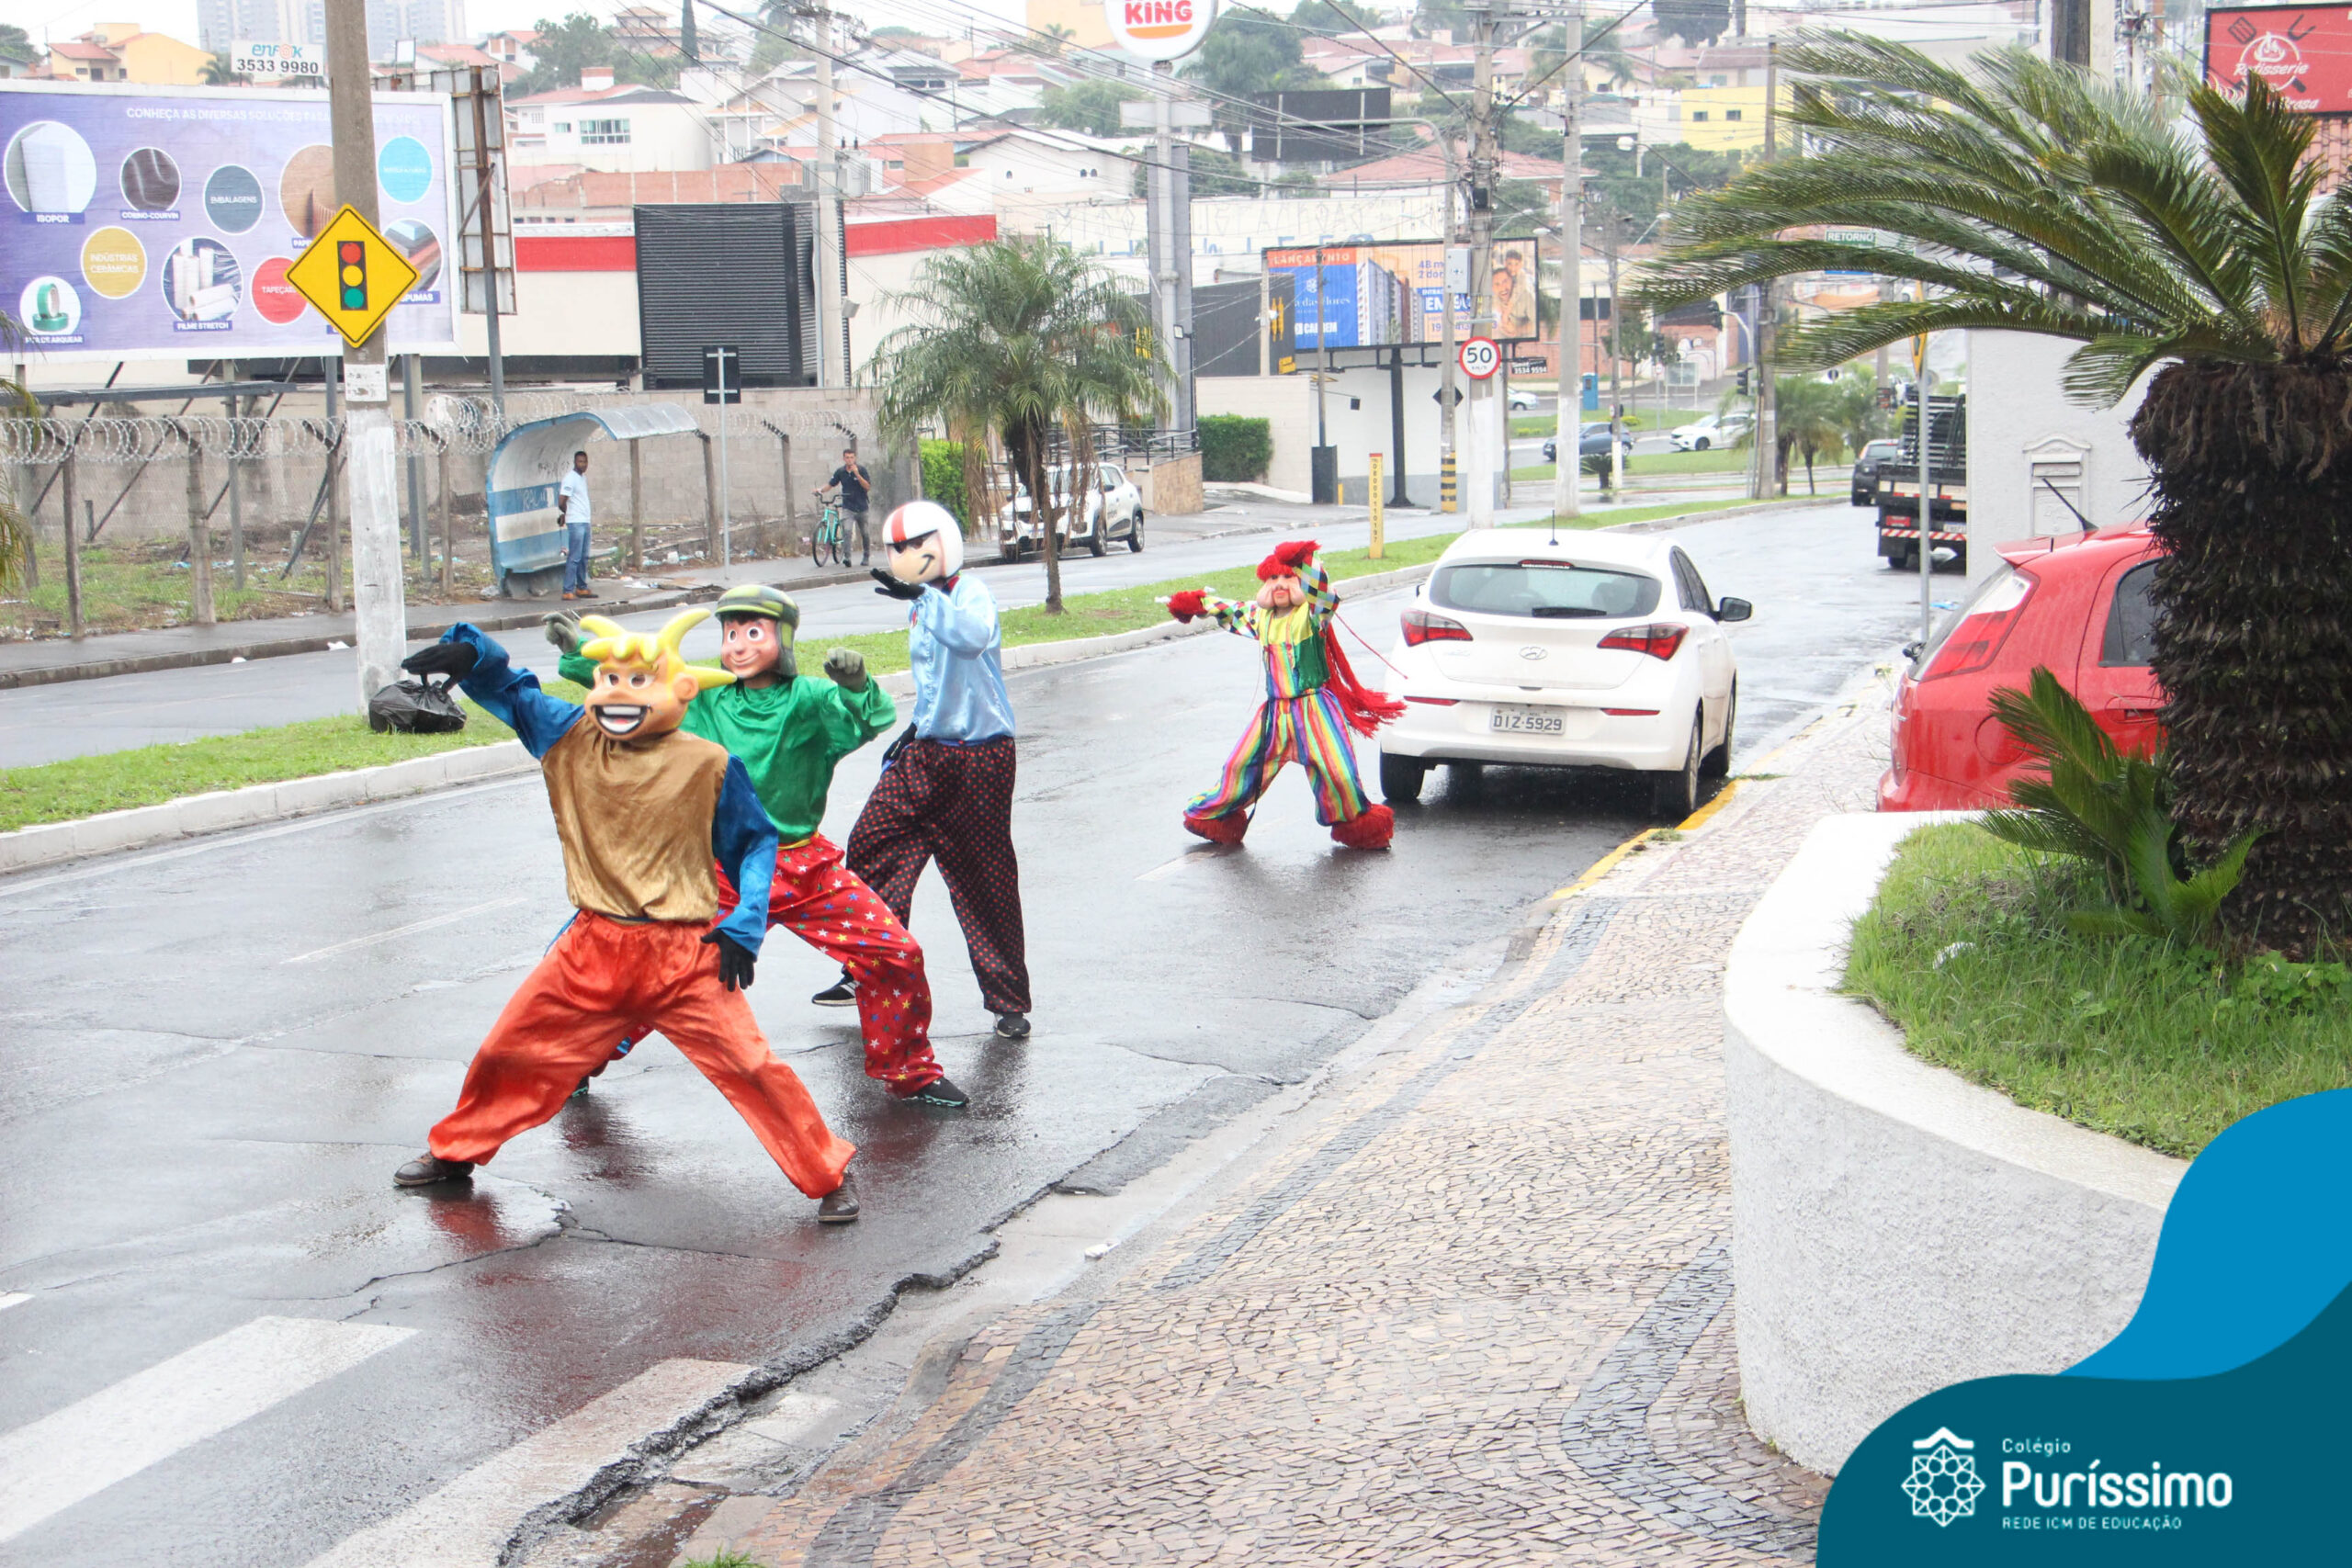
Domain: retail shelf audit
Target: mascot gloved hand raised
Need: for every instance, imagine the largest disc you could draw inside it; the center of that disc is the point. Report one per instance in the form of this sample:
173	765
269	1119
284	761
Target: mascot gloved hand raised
1313	709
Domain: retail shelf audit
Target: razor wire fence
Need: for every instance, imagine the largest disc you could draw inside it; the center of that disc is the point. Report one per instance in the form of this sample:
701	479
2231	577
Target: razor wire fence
453	424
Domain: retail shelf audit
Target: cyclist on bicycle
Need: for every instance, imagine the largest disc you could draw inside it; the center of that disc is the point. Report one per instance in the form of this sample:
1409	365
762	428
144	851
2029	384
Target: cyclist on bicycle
854	484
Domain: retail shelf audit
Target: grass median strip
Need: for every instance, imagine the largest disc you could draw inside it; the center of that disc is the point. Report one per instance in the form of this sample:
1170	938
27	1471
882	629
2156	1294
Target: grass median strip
1967	950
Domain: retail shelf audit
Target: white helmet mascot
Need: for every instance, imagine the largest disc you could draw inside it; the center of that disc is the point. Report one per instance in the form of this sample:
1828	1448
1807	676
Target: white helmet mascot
946	787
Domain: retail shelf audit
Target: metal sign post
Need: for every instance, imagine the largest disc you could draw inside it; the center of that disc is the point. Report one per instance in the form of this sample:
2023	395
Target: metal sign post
722	383
1379	517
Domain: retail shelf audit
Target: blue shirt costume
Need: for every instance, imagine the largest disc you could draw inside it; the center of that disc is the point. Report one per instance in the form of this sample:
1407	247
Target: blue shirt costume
742	839
956	650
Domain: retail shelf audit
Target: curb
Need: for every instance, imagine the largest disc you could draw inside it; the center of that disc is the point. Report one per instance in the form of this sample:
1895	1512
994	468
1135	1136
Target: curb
49	843
111	832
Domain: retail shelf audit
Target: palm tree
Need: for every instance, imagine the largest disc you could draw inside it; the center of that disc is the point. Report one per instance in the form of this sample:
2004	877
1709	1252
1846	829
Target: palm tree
219	72
2038	199
1015	340
1804	421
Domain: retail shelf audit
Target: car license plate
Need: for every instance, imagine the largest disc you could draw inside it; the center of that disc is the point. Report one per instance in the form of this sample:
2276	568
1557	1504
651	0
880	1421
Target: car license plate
1525	720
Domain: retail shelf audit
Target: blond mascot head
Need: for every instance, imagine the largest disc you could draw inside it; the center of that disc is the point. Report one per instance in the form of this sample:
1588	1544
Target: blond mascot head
925	545
643	682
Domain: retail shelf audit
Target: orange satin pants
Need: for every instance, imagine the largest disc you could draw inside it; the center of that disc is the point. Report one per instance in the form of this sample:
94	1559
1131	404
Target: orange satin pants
604	980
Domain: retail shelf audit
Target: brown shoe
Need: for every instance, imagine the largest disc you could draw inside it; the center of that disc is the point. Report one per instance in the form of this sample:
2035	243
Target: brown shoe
426	1169
839	1207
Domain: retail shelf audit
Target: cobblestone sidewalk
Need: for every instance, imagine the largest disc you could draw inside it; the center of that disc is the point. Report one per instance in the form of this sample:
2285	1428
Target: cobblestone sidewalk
1482	1314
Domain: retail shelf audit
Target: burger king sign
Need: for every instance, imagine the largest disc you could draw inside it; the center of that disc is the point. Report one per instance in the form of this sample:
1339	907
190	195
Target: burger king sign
1159	30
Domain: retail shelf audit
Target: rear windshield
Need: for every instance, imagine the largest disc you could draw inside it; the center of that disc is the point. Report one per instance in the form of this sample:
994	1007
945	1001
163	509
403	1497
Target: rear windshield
2004	590
1543	588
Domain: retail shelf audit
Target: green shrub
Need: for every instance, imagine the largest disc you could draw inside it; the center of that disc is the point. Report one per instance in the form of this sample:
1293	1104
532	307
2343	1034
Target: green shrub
943	478
1236	450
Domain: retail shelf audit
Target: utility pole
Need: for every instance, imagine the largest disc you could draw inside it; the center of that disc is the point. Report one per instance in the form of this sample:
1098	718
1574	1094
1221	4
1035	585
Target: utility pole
833	362
1566	481
1482	241
371	470
1616	359
1449	389
1767	444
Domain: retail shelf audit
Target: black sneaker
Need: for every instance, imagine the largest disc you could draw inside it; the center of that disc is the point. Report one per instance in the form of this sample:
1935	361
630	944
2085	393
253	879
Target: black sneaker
426	1169
842	993
838	1207
939	1091
1012	1026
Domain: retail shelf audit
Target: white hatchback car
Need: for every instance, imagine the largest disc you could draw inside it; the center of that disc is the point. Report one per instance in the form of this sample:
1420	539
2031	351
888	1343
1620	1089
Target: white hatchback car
1115	511
1597	650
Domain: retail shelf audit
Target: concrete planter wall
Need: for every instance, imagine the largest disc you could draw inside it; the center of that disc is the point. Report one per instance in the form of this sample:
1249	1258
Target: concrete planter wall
1895	1229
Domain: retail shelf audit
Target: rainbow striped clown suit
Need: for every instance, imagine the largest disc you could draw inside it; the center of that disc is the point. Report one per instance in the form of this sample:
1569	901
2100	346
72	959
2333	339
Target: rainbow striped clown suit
1313	711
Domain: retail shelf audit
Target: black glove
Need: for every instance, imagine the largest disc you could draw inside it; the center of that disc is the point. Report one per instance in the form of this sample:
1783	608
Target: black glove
455	659
735	961
894	588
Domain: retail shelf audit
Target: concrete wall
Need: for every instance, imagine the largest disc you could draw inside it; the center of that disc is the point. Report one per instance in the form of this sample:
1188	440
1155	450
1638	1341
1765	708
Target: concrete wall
1288	403
2016	415
1895	1229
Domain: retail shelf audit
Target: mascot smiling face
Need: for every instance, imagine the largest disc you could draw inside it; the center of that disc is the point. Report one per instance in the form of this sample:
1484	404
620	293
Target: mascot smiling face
1279	589
643	684
756	625
925	545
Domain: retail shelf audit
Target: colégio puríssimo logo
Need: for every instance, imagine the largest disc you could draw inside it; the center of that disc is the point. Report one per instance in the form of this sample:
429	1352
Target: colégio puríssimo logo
1943	1483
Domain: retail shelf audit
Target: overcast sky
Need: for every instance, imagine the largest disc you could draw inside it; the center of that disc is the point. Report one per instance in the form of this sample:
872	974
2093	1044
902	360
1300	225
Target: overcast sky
64	19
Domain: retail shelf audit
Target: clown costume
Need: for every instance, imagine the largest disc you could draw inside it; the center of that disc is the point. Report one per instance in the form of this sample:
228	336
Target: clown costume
640	810
1313	710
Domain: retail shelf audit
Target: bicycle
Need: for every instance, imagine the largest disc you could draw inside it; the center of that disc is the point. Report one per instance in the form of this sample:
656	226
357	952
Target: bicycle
831	534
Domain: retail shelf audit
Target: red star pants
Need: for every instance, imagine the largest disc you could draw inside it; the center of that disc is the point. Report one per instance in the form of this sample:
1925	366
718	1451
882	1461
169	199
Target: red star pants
820	900
604	979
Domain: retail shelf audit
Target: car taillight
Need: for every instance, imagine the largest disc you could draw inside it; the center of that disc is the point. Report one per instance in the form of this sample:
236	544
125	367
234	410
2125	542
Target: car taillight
1630	712
1976	641
1420	626
1437	702
1659	640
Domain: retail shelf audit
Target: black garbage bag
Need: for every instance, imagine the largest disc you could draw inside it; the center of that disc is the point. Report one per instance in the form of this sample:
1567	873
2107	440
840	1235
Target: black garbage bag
416	707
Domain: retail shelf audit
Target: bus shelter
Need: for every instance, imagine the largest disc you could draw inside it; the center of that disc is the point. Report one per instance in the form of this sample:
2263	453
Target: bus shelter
526	536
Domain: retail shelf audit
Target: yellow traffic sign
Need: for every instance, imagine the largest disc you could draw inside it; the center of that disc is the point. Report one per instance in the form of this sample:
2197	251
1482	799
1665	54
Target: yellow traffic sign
353	275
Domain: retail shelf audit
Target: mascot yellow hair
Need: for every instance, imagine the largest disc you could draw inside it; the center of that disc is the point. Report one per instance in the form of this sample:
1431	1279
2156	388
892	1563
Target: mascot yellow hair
616	644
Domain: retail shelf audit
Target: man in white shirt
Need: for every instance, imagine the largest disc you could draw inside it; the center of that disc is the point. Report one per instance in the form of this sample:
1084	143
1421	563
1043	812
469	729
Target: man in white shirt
571	508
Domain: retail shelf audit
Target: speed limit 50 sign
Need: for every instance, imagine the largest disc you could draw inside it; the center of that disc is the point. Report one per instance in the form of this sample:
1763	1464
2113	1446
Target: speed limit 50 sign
1481	358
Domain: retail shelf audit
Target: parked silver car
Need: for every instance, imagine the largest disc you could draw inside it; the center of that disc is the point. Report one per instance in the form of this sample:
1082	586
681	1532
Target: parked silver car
1115	511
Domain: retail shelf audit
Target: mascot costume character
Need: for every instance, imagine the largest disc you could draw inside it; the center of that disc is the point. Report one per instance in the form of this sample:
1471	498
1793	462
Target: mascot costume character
789	733
946	787
1313	702
640	810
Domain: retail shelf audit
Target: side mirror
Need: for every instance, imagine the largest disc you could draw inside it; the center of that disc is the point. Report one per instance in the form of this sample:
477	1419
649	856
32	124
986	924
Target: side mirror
1734	610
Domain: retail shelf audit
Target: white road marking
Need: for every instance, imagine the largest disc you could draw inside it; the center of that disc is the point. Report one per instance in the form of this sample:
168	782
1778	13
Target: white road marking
468	1523
414	926
74	1454
12	1299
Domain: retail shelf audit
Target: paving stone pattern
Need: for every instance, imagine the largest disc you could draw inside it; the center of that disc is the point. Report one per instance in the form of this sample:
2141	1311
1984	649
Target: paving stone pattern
1482	1315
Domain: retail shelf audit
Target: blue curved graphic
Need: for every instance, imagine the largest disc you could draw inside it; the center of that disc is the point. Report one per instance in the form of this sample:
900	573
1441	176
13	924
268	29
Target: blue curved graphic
2256	1243
2207	1431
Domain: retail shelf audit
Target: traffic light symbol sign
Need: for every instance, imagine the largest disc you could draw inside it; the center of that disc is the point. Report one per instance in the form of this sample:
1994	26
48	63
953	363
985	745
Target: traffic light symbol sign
353	275
351	262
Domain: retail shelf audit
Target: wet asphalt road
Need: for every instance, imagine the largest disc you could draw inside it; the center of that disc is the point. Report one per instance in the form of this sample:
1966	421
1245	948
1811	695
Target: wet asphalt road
212	1056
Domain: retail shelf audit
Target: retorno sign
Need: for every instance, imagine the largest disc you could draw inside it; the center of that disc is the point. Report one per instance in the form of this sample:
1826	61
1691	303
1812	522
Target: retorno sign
1159	30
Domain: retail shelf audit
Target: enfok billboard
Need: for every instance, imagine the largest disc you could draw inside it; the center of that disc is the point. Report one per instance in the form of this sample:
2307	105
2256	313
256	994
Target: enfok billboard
1159	30
2304	53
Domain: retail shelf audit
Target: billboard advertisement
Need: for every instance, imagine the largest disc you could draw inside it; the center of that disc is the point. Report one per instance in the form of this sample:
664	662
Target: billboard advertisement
158	222
2304	53
1377	295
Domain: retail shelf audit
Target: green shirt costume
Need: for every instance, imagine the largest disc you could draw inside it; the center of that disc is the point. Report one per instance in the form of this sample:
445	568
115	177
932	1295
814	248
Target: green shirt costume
788	737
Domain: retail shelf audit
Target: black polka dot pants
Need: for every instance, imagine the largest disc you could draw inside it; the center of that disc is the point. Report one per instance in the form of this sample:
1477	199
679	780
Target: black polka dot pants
952	804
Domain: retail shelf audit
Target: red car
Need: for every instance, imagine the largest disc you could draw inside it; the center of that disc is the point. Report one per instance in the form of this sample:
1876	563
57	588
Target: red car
2077	604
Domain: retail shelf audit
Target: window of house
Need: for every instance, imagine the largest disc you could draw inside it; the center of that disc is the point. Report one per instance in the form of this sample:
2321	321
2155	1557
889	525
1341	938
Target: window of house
1731	114
564	126
1718	80
1697	114
604	132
